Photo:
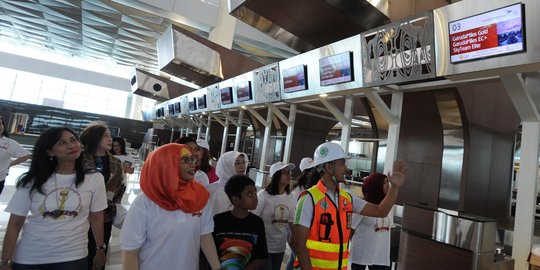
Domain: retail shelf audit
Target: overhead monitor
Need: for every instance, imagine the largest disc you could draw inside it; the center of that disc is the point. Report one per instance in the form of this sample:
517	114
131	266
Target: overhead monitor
201	102
496	32
243	91
295	79
336	69
226	95
192	104
177	107
171	109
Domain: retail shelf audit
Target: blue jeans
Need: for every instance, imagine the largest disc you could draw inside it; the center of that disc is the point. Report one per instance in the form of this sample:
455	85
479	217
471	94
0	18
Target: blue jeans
71	265
274	261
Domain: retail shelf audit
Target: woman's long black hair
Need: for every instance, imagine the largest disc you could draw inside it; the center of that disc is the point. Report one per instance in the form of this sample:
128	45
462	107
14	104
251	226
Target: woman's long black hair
273	186
43	165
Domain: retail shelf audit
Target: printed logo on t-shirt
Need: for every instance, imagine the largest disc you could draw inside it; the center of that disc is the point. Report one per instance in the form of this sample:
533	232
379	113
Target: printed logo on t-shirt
281	215
235	249
61	203
197	214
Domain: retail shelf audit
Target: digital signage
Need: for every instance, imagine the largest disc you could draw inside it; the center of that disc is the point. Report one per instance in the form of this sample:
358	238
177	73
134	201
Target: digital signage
201	102
295	79
171	109
177	107
226	95
243	91
192	104
497	32
336	69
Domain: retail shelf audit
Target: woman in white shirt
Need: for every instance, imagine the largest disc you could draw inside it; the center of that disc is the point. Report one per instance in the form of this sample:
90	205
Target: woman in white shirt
370	241
9	149
170	221
229	164
55	205
276	208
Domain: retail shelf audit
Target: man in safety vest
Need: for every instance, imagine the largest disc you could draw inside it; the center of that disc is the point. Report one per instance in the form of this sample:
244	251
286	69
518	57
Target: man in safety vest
324	212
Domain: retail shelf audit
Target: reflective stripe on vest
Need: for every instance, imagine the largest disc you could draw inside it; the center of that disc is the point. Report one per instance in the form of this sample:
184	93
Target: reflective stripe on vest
329	233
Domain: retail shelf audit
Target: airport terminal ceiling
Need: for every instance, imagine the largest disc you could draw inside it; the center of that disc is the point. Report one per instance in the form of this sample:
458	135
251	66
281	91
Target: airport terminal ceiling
127	31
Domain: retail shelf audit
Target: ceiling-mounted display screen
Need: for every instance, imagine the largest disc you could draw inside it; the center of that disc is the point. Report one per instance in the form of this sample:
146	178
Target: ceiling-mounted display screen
243	91
192	104
226	95
295	79
160	112
171	109
177	107
496	32
336	69
201	102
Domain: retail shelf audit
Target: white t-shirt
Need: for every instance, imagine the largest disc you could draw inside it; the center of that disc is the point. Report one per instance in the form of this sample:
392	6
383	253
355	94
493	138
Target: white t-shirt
370	243
165	239
201	178
296	193
45	239
304	214
9	149
277	212
220	201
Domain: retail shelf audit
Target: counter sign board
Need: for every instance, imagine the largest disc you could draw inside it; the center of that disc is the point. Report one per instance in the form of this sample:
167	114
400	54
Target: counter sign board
492	33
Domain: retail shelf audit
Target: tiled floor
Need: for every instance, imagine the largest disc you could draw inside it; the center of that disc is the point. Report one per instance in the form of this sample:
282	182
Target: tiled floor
114	261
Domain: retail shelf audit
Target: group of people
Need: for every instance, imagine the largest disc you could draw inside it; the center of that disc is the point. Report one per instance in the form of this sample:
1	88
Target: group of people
62	211
189	210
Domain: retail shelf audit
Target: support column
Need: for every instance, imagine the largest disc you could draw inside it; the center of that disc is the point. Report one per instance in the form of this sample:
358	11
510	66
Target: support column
393	131
266	137
523	92
345	120
238	125
392	116
290	128
225	125
207	134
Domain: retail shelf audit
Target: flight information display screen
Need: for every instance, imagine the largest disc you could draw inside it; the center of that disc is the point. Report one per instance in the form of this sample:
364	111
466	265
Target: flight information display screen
336	69
295	79
497	32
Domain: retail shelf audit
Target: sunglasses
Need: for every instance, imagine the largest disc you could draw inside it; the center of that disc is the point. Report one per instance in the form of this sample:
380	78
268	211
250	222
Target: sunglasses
188	160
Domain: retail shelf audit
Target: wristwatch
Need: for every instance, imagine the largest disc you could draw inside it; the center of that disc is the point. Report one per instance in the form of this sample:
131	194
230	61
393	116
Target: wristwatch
102	247
6	262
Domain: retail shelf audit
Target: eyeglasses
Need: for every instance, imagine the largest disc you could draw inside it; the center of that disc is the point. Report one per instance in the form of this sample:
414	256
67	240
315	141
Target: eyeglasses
238	163
99	164
188	160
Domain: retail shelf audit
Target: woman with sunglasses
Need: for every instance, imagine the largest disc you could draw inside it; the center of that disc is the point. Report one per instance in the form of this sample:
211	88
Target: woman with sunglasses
56	202
229	164
276	208
171	220
97	141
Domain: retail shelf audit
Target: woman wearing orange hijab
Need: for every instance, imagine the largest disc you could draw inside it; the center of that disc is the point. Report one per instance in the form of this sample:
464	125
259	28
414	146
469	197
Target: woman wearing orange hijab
170	221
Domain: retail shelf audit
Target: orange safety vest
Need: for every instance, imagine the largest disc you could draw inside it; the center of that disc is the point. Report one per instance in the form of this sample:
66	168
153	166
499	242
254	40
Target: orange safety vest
328	240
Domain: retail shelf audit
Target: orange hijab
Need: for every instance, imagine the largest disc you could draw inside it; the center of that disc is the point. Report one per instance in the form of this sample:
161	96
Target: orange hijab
161	182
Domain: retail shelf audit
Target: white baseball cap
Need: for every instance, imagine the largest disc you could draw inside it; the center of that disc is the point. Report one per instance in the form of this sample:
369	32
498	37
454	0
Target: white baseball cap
203	143
306	163
278	166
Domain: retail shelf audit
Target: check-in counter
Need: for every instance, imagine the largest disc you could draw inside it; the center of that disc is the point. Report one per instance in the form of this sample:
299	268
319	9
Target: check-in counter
438	239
